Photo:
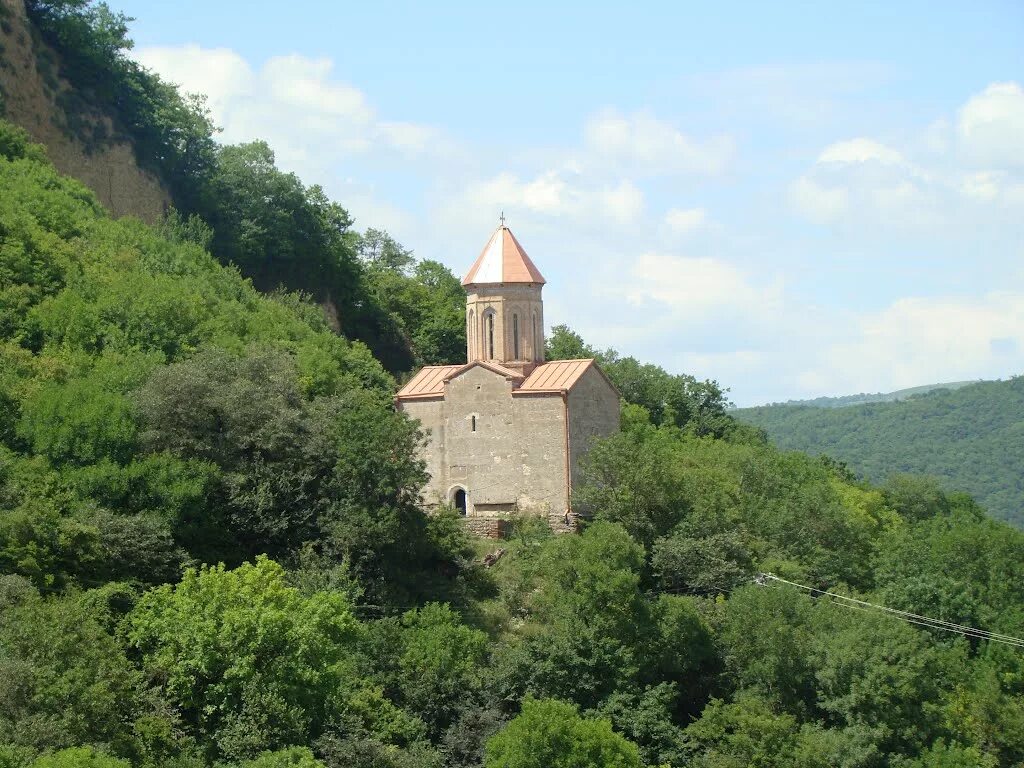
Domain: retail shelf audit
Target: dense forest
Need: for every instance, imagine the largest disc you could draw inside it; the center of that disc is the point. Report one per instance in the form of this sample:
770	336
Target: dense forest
972	438
211	552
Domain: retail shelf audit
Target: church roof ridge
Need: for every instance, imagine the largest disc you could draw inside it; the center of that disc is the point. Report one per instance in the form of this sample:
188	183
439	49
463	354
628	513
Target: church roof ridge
490	365
503	260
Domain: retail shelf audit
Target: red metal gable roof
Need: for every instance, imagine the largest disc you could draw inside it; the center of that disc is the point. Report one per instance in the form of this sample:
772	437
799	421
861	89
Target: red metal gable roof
556	376
428	381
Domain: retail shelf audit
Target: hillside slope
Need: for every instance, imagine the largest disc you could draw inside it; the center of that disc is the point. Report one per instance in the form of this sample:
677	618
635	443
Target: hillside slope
34	96
973	438
158	413
877	397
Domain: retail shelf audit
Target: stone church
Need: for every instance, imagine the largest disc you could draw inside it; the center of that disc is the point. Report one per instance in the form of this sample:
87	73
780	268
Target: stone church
506	430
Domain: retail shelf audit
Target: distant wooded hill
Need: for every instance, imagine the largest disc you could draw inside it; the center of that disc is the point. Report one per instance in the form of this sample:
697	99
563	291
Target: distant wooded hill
970	435
876	397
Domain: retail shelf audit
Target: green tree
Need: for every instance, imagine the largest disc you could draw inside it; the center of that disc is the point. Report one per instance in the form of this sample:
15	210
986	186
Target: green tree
880	674
746	732
563	343
634	479
425	301
704	565
340	468
438	663
551	734
767	644
79	757
589	621
293	757
66	681
252	663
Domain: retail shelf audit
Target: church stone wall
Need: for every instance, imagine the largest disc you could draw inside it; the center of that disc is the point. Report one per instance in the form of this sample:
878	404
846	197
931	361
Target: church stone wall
593	413
541	446
513	462
429	413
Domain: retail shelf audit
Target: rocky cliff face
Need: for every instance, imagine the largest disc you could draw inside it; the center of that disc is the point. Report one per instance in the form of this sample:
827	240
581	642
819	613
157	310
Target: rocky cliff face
31	95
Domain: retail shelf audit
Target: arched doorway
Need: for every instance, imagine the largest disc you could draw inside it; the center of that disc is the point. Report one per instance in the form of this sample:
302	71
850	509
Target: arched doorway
460	500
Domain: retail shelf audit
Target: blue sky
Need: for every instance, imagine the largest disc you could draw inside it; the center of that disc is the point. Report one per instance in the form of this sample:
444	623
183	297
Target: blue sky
794	199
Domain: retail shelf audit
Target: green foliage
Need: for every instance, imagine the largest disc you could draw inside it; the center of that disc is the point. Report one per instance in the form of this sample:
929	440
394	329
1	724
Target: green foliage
551	734
648	719
293	757
972	438
159	411
66	681
674	400
234	199
588	619
78	421
633	479
745	732
434	663
248	659
703	565
275	229
426	301
593	638
15	144
960	567
725	506
942	755
79	757
182	414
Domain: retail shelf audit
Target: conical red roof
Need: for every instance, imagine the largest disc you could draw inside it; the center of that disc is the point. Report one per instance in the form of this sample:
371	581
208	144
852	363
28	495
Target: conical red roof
503	260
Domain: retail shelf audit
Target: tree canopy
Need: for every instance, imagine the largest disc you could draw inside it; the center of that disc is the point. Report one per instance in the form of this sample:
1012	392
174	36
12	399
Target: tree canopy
211	552
971	438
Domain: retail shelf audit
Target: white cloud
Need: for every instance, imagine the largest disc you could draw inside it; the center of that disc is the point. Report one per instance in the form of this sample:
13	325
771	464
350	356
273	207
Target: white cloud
984	186
990	126
306	86
296	103
896	196
859	150
922	340
817	201
938	137
642	144
547	193
694	286
553	194
623	202
683	221
925	188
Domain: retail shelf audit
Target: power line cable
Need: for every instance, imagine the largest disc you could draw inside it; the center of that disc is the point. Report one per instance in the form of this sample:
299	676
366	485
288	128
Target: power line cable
949	624
907	616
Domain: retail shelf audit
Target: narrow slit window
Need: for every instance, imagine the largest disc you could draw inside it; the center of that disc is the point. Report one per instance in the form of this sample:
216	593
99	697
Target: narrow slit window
515	337
490	336
473	420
